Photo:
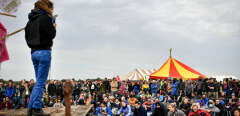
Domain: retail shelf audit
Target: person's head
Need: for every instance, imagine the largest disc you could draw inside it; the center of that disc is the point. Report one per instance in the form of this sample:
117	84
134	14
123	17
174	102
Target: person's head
186	100
194	107
210	104
45	5
158	105
236	112
217	101
149	99
204	96
103	105
10	83
172	107
233	96
7	99
138	104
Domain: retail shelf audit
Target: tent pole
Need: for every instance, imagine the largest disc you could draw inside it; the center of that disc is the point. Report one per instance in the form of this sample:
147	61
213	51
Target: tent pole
170	52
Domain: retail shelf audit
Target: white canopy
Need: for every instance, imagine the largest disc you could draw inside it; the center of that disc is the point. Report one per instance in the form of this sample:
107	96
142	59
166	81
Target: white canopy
221	77
137	74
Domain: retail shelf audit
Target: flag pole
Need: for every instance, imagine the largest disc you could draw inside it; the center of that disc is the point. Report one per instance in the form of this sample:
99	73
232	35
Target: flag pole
170	52
6	14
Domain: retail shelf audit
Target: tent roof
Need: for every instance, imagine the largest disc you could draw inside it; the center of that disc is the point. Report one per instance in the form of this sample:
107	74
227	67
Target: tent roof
137	74
176	69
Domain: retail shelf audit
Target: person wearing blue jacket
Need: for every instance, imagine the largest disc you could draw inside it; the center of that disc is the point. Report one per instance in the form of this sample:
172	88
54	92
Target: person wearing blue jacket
204	100
10	90
174	85
125	110
154	88
104	110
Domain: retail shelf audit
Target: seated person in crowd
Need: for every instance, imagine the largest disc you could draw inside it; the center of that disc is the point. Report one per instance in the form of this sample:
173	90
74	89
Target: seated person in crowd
196	111
103	110
125	109
6	104
173	111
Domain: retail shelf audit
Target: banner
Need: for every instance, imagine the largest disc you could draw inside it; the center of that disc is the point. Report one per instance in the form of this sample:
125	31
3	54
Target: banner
9	6
3	49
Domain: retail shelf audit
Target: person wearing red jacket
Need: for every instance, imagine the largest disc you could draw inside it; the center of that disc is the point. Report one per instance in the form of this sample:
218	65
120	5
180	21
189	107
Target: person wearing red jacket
197	112
6	104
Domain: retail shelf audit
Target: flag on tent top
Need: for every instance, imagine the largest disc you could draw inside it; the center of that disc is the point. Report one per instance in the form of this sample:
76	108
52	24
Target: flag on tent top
3	49
118	78
9	6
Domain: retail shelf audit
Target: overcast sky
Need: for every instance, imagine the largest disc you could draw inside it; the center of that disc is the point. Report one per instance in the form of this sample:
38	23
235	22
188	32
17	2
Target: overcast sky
99	38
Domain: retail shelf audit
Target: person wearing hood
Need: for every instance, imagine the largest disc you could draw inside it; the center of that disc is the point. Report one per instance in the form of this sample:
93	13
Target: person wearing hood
185	106
159	110
39	34
139	110
211	108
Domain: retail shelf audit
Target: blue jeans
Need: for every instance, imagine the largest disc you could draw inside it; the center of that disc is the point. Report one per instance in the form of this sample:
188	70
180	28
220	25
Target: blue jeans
41	61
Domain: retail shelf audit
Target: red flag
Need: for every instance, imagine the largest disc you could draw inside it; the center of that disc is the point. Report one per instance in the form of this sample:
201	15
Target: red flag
3	49
118	78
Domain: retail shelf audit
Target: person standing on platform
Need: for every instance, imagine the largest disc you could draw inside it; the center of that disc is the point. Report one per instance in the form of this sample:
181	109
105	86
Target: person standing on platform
39	34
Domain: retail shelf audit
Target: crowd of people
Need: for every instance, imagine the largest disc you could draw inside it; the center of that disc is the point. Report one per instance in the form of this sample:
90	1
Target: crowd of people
202	97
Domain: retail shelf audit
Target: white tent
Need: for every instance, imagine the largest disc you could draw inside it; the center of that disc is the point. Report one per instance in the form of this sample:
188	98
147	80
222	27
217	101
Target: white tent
137	74
221	77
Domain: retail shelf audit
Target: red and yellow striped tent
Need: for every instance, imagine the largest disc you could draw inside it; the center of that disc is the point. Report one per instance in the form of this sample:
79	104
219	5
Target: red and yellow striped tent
176	69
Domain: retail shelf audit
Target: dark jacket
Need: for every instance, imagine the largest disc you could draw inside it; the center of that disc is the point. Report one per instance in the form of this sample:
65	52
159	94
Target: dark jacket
140	112
39	32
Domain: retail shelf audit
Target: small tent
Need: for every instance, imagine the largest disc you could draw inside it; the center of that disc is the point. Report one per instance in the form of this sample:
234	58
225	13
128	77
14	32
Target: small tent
137	74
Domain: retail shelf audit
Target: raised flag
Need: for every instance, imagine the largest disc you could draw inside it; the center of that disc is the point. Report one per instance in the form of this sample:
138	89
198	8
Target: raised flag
3	49
9	6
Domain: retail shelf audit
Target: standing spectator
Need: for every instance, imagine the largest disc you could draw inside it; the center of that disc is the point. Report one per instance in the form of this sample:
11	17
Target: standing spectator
211	89
154	88
174	92
173	111
199	86
136	87
2	92
145	87
51	89
10	90
188	88
106	85
114	86
6	104
59	89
